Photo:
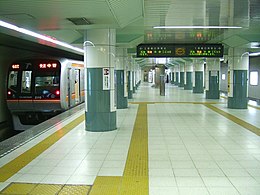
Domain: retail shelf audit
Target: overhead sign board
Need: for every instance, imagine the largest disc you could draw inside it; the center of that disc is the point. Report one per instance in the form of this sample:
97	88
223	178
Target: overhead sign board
180	50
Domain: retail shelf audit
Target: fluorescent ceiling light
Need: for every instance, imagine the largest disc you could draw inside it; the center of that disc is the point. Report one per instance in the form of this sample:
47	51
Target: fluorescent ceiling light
39	36
194	27
254	54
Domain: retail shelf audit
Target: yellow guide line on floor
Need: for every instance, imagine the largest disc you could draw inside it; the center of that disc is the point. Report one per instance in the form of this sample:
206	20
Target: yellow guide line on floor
21	161
135	177
240	122
256	107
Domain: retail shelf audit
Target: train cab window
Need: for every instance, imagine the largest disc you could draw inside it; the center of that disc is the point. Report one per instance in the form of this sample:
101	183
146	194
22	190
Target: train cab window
47	86
26	81
12	81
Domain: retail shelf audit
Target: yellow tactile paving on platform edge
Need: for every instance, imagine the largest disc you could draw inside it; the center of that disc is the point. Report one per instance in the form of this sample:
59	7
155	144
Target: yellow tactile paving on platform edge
45	189
240	122
18	188
21	161
135	177
74	190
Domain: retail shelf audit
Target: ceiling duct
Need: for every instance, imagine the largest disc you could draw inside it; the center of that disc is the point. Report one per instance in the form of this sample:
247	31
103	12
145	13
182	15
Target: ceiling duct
79	21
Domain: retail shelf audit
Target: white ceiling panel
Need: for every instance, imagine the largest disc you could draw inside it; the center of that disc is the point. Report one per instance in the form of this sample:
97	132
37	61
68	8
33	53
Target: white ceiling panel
134	19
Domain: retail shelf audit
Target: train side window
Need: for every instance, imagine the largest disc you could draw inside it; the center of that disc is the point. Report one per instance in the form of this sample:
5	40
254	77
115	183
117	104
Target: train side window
26	81
12	80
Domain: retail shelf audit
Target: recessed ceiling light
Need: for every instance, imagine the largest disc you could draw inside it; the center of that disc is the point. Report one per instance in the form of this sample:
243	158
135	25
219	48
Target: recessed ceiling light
195	27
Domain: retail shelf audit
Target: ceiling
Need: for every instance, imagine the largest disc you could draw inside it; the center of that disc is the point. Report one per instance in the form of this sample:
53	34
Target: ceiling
134	20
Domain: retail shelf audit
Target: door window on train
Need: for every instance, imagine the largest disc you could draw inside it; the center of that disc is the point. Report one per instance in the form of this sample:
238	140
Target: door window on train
26	81
12	82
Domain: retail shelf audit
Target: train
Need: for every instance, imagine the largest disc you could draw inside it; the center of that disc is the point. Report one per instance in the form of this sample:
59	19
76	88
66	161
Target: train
38	89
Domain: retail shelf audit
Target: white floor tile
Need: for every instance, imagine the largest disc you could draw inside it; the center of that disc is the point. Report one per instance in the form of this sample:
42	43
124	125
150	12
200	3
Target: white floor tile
210	173
243	181
56	179
163	191
31	178
186	172
157	181
193	191
111	171
81	180
160	172
189	182
217	182
222	191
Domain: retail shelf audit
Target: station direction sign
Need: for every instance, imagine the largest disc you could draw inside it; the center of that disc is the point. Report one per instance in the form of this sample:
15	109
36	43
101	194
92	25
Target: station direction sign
155	50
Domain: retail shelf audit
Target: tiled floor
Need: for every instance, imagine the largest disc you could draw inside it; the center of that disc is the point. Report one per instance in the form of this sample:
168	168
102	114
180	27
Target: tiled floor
191	149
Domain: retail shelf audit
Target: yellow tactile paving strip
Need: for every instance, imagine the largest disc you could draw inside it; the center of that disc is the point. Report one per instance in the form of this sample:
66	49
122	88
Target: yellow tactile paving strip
21	161
240	122
45	189
135	177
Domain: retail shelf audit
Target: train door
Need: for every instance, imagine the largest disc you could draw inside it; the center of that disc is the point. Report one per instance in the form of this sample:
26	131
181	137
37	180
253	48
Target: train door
77	86
26	93
69	88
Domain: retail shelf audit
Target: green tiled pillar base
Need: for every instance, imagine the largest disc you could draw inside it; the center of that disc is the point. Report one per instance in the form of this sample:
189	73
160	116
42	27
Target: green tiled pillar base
181	84
121	100
177	80
188	85
213	92
130	92
172	80
100	121
237	103
198	82
133	80
239	99
98	116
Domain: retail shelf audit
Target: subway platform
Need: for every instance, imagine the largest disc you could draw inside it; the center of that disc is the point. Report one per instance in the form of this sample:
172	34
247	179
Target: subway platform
177	144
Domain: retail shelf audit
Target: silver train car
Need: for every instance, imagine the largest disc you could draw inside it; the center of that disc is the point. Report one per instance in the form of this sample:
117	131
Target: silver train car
38	89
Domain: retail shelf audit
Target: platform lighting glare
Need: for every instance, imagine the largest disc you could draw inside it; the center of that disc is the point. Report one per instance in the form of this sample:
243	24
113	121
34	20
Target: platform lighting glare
195	27
39	36
255	54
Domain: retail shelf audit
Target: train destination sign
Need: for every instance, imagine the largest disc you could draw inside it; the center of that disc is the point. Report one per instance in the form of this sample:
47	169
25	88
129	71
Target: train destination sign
180	50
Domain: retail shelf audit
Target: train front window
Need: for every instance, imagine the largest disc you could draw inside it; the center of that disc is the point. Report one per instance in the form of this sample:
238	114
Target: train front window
47	86
12	81
26	81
